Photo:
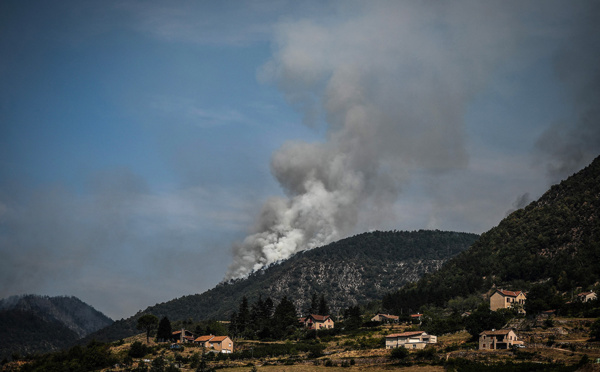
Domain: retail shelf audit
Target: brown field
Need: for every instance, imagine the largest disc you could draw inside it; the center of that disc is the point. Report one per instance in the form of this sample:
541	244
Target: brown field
309	368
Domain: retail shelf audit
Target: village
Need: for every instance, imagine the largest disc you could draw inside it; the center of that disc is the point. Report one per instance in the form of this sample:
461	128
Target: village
385	340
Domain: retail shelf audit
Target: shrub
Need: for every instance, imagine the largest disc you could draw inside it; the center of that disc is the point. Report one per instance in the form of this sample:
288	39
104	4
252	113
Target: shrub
138	350
399	353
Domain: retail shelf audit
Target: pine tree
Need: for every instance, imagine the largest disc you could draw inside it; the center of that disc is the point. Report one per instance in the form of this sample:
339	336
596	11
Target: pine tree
314	305
164	331
323	308
243	318
285	317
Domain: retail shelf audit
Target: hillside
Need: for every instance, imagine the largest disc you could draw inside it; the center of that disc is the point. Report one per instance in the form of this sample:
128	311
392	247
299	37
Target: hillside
351	271
33	323
554	239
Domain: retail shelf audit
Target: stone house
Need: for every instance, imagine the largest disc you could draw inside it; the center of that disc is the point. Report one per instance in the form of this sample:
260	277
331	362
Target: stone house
503	299
182	336
414	340
501	339
220	344
586	296
385	318
314	321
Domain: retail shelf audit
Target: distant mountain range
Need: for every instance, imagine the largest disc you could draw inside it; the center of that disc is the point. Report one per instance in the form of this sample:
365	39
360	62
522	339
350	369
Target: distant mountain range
348	272
555	240
32	324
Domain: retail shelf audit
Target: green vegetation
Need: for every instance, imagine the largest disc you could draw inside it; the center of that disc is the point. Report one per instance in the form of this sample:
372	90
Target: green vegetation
555	239
148	323
164	331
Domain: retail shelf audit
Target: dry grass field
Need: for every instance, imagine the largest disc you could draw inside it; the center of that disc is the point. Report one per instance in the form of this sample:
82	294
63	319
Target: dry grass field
564	341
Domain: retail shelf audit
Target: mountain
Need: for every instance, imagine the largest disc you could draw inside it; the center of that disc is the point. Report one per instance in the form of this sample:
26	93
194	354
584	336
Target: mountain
31	323
555	240
350	271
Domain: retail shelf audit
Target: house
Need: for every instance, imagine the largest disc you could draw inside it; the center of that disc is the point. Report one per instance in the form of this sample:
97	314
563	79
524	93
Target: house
586	296
416	318
220	344
503	299
498	339
182	336
203	340
385	318
410	340
314	321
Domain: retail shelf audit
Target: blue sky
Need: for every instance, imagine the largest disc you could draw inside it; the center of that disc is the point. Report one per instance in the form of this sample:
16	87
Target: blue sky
148	150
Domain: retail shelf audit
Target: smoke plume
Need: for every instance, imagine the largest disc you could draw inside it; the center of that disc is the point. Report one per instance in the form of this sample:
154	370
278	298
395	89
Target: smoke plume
570	144
391	87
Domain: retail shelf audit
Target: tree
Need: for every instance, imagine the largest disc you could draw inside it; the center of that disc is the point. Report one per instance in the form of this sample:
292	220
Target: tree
164	331
148	323
352	318
484	319
314	305
595	330
285	318
323	308
243	318
542	297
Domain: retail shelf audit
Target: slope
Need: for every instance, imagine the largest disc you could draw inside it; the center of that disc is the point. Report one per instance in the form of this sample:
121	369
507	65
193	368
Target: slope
351	271
31	323
555	239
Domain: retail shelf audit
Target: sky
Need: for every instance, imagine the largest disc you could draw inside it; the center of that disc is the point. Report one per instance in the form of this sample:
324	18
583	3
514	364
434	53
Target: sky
153	149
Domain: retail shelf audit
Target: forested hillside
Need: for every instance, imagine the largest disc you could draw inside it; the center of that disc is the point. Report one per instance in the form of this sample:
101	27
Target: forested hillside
351	271
33	323
555	239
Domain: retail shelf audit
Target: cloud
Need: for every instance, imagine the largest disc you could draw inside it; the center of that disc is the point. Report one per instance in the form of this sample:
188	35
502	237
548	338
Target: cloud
117	246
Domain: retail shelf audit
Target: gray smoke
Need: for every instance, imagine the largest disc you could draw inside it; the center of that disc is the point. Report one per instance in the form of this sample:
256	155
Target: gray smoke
570	144
521	202
391	86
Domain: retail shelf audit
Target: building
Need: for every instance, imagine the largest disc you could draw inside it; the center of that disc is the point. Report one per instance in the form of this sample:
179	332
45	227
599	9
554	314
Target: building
411	340
503	299
586	296
498	339
182	336
385	318
416	318
203	340
220	344
314	321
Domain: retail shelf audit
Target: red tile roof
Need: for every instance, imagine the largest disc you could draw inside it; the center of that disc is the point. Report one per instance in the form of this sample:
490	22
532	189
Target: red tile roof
204	338
405	334
416	315
498	332
390	316
320	318
585	293
509	293
218	339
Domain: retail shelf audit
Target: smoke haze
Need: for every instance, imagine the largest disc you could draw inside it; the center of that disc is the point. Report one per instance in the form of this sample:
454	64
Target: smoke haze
391	86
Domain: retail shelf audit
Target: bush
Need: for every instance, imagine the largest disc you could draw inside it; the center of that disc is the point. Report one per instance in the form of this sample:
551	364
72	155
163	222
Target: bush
425	354
138	350
399	353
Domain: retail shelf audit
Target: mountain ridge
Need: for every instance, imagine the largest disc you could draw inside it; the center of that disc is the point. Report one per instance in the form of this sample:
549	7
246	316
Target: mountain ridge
354	270
555	239
34	323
